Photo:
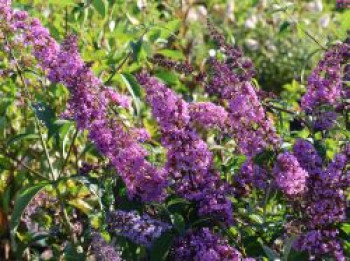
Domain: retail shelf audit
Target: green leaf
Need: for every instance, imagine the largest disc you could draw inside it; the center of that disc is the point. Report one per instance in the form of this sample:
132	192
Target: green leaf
46	115
173	54
168	77
134	89
22	136
256	218
101	6
136	48
288	247
346	228
64	137
161	246
271	254
61	2
81	205
284	26
173	25
25	196
178	222
73	253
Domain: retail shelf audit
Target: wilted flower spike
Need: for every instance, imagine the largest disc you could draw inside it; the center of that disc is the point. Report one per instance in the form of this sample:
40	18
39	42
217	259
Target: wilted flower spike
181	67
141	230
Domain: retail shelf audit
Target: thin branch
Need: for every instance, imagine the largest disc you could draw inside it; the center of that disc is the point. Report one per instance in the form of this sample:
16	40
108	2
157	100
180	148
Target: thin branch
37	122
115	71
313	38
66	219
293	113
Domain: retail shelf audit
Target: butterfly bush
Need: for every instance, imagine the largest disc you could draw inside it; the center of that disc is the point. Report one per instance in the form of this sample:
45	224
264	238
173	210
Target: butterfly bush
142	230
313	187
89	106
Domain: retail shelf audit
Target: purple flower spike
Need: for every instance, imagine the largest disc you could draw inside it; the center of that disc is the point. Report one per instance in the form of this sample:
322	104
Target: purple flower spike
141	230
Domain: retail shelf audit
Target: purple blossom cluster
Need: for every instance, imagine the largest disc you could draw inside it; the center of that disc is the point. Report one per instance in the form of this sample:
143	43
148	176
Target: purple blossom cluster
325	87
230	80
289	175
325	121
181	67
142	230
325	82
89	104
307	156
89	108
203	245
346	76
248	123
189	161
251	175
208	115
102	250
324	203
320	242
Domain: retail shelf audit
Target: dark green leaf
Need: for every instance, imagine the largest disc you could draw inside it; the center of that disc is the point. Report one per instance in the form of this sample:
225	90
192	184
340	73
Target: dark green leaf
134	89
161	246
178	222
284	26
71	253
136	49
288	247
271	254
46	115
